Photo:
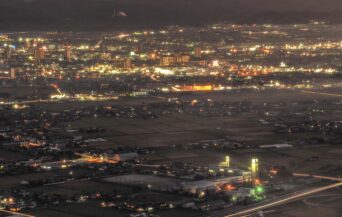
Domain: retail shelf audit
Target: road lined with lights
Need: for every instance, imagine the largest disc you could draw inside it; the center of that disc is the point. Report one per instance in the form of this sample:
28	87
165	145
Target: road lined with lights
322	93
16	213
280	201
338	179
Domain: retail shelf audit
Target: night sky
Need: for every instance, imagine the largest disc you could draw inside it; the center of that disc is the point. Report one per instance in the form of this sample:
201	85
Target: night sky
98	14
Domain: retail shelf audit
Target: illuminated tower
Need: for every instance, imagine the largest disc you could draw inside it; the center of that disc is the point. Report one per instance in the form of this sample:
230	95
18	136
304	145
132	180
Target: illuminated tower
28	44
198	52
67	54
8	51
40	53
255	167
127	64
13	73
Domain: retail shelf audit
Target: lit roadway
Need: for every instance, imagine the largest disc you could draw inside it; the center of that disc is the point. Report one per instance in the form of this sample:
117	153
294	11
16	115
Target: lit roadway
318	177
274	202
15	213
322	93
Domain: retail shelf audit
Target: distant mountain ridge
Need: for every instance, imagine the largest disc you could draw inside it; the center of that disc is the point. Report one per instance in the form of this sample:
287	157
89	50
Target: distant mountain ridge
98	14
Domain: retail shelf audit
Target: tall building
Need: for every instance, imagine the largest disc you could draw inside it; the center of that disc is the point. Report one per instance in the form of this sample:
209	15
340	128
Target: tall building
198	52
13	73
40	53
127	64
32	48
28	44
255	167
8	52
67	54
104	47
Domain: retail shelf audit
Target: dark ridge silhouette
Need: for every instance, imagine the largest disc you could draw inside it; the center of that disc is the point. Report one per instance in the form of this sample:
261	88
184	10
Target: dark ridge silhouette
98	14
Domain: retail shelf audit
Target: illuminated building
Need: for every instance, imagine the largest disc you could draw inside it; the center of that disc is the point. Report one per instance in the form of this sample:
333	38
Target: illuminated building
4	37
283	64
198	52
127	64
185	58
13	73
27	44
67	53
105	56
182	59
167	60
4	74
255	167
152	55
40	53
8	52
225	163
215	63
7	73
